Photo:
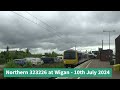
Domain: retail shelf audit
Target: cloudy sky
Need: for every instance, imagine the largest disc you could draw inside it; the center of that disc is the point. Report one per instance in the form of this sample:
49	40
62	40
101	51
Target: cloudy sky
45	31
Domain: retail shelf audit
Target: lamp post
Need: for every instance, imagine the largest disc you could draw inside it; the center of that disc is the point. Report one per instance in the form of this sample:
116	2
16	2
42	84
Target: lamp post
109	39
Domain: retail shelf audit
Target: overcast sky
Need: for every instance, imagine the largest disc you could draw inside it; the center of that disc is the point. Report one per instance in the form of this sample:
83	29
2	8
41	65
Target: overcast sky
58	30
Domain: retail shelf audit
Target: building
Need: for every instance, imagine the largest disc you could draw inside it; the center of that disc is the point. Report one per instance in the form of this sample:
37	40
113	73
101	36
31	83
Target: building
99	53
117	49
106	55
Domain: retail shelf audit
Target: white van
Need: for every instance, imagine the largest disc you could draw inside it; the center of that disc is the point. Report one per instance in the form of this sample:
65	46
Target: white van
34	61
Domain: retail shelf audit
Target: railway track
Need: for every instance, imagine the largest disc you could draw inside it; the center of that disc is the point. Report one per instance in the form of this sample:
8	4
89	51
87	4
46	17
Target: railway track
84	64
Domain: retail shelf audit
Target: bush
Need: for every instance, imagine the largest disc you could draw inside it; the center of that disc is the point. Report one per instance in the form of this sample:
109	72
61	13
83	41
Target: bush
53	65
2	61
11	64
27	65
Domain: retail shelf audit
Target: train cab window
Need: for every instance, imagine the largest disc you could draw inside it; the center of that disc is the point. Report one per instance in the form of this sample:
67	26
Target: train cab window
79	56
69	55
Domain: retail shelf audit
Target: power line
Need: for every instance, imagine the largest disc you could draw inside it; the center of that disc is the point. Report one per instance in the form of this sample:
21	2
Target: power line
41	21
47	25
25	18
39	24
30	20
44	23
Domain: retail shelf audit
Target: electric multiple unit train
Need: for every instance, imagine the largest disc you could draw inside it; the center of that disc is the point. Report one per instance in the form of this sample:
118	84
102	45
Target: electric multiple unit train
72	58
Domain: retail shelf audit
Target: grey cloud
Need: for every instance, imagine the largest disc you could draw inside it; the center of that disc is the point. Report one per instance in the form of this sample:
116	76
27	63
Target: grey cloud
83	27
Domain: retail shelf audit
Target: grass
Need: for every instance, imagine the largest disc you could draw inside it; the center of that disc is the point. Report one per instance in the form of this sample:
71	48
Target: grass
52	65
2	61
11	64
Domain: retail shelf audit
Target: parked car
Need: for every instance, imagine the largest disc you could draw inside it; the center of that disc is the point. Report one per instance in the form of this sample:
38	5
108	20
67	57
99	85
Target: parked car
20	61
48	60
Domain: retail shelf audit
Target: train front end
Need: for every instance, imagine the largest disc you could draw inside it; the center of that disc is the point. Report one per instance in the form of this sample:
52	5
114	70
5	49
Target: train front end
70	58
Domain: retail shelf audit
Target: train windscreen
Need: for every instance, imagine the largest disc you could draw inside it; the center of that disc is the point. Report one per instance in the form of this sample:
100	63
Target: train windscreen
69	55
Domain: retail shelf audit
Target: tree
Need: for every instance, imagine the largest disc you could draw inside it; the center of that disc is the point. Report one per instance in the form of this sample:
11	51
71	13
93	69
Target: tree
7	54
54	54
7	49
47	54
15	56
28	52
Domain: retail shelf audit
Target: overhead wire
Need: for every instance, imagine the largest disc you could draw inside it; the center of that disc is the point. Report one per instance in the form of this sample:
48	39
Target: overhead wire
48	26
39	24
32	21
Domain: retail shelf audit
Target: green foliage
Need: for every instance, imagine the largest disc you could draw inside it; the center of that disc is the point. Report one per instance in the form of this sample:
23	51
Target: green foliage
1	72
28	52
2	61
36	55
11	64
27	65
7	55
53	54
52	65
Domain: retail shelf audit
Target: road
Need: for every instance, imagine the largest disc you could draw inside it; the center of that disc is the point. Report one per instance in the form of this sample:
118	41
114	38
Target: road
96	63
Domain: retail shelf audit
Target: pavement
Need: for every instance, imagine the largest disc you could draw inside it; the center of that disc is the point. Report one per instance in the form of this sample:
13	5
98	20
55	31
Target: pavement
96	63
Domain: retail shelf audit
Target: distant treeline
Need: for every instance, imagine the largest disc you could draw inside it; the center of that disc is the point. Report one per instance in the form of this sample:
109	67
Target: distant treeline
7	55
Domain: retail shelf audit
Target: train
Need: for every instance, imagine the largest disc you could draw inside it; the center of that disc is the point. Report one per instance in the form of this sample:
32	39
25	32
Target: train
72	58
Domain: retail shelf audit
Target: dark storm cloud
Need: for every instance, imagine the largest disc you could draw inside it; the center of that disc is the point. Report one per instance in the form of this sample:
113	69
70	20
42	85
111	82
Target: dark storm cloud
20	33
84	28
